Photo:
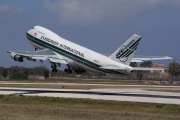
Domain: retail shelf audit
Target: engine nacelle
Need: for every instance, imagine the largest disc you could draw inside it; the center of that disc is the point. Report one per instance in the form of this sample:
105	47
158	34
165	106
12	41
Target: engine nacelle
16	57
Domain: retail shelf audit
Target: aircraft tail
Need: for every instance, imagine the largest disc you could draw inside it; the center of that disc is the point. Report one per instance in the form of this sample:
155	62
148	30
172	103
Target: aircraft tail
125	52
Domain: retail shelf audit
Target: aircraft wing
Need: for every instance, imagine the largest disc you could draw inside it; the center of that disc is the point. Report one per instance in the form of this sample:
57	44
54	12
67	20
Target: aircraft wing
37	55
140	58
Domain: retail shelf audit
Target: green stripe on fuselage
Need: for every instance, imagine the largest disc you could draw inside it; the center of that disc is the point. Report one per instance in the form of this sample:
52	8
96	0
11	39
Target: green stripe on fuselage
70	55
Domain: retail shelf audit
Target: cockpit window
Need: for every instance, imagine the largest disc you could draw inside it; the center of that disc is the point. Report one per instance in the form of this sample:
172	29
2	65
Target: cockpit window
33	28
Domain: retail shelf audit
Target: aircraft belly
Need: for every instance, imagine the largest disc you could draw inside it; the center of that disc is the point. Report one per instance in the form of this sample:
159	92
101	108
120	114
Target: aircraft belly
86	67
75	64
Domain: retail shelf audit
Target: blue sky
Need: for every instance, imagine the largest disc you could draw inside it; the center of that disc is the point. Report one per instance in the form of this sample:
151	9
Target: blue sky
100	25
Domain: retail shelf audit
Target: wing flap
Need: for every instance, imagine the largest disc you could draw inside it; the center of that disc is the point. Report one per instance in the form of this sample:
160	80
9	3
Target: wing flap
58	60
38	58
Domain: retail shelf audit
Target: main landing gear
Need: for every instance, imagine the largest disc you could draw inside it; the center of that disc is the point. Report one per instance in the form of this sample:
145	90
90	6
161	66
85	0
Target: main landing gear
53	66
80	71
68	70
54	70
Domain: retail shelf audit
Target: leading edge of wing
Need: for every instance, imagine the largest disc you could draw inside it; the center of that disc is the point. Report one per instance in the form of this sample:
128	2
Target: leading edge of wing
41	55
39	52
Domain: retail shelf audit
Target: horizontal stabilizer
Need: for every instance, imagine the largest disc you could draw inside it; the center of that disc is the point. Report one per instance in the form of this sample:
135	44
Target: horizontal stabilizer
146	58
143	68
136	60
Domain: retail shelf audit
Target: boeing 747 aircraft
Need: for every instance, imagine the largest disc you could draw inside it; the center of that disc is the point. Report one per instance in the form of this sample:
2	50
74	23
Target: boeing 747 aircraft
57	50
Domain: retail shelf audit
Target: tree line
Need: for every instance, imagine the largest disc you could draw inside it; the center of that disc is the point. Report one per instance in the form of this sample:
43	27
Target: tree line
18	72
174	68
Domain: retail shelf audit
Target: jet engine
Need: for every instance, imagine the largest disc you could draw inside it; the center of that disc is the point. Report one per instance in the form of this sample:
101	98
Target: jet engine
16	57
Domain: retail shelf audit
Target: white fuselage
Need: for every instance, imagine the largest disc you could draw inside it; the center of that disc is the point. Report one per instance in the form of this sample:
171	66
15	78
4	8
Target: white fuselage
74	54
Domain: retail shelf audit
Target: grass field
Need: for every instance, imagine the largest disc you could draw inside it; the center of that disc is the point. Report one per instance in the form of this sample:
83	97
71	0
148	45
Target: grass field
67	86
78	80
29	108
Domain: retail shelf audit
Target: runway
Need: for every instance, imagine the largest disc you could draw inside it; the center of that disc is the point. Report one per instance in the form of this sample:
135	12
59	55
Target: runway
124	94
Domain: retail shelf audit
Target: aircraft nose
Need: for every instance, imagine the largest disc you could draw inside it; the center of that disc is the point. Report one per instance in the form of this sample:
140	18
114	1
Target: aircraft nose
30	31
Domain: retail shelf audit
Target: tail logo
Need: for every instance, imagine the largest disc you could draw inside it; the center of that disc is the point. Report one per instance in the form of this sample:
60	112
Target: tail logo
126	50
